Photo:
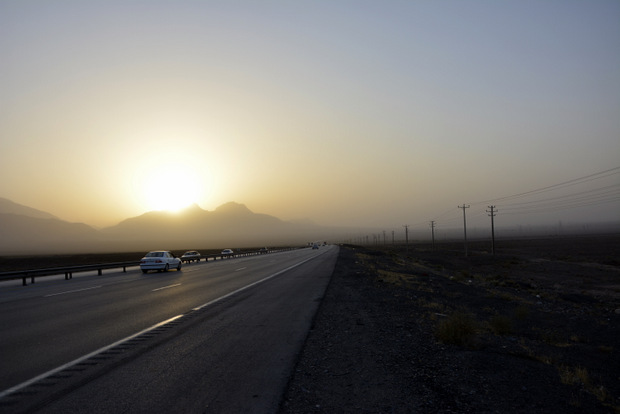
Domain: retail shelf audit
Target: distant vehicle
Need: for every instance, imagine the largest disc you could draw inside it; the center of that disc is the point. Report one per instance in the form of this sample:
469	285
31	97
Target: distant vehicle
227	252
190	256
160	260
315	246
263	250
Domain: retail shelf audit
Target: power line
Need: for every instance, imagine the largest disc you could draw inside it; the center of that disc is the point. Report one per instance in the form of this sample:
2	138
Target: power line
605	191
445	213
589	197
546	209
559	205
575	181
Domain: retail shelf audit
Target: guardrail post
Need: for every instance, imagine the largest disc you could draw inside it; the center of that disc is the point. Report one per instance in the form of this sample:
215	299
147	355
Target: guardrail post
99	272
24	281
32	279
124	269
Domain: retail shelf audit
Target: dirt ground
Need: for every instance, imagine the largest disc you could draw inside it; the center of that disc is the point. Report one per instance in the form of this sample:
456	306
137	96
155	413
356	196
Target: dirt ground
533	329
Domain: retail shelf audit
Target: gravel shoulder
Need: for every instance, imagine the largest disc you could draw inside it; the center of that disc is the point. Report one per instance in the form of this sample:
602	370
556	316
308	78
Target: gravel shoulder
533	329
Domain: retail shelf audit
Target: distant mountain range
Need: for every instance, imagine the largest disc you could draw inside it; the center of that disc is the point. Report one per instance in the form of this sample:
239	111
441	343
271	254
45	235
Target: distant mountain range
25	230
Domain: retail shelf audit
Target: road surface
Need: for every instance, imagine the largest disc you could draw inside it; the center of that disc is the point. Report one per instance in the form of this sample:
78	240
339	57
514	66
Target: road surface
216	337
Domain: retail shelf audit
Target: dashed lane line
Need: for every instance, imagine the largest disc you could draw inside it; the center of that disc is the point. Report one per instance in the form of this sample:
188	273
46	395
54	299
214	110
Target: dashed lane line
166	287
72	291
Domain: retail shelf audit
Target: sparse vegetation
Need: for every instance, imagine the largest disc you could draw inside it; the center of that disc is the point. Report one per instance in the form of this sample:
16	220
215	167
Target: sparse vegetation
540	310
436	306
579	376
522	313
458	329
551	336
462	276
500	325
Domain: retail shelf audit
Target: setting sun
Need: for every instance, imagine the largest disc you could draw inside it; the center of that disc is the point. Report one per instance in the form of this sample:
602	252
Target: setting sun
169	186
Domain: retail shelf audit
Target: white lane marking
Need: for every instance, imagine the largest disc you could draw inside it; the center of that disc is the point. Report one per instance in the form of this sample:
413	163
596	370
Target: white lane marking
83	358
165	287
105	348
241	268
71	291
253	284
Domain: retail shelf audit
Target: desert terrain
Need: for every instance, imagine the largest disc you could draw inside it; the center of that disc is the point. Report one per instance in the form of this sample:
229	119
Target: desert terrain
412	329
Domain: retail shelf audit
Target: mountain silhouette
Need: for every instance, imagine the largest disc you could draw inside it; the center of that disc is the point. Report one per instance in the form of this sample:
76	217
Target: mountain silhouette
24	230
9	207
231	224
21	234
233	208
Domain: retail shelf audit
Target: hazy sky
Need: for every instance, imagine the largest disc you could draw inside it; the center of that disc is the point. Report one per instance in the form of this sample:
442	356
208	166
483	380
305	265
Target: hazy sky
352	113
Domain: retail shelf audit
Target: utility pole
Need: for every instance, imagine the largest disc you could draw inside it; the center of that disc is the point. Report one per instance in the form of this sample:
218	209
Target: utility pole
406	237
464	226
433	232
492	214
384	242
392	236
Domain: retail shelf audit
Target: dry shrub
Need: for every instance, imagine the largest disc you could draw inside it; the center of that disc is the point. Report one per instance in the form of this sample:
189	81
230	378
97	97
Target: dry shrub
458	329
437	306
580	376
398	279
572	376
522	312
501	325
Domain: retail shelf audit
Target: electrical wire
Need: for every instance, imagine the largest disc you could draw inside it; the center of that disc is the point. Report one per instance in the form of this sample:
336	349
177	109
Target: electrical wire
585	198
588	178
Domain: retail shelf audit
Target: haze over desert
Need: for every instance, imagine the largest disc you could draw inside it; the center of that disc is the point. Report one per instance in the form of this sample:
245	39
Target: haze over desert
354	115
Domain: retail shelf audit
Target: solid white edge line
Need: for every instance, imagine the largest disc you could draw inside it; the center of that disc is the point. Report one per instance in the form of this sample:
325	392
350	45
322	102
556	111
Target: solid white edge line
83	358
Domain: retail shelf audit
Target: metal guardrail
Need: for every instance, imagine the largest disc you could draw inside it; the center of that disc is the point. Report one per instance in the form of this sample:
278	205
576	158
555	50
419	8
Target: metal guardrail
69	270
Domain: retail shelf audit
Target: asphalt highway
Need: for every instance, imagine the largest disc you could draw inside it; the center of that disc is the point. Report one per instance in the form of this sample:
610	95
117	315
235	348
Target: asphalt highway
215	337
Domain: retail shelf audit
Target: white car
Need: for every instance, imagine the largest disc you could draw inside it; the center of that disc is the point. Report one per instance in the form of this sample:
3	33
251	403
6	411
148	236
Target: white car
190	256
160	260
227	252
